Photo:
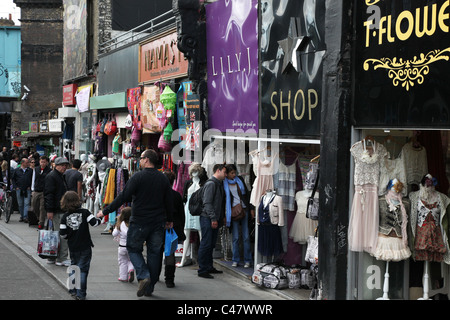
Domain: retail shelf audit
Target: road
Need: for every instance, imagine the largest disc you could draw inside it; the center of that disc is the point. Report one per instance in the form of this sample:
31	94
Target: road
22	279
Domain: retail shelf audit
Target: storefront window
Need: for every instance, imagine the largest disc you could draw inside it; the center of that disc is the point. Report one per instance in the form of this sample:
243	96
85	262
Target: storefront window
419	267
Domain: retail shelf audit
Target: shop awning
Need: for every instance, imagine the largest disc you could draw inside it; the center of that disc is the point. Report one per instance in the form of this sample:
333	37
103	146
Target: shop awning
37	135
109	101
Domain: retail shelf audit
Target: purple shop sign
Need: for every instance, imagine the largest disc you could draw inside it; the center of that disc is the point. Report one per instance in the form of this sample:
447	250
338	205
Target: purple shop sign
232	56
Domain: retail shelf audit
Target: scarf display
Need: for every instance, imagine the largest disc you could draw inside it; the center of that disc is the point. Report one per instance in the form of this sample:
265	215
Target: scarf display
226	182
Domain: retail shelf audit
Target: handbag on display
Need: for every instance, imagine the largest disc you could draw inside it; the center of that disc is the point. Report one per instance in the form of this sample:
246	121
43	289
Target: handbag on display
171	242
270	275
312	206
312	249
48	242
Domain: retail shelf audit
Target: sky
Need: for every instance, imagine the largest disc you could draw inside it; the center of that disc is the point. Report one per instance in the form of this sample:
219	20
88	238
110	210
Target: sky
8	6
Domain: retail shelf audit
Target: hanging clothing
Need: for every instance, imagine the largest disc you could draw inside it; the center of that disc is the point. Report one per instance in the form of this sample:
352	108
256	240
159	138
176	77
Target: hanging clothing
390	169
303	227
364	221
264	178
286	184
182	177
110	187
416	164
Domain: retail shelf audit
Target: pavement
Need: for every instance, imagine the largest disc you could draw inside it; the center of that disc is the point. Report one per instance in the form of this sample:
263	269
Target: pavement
103	284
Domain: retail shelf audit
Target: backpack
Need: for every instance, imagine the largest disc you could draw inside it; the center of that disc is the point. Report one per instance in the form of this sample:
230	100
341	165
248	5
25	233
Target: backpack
196	202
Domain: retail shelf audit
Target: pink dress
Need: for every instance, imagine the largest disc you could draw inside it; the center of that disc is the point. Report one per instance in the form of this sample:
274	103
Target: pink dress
364	216
264	178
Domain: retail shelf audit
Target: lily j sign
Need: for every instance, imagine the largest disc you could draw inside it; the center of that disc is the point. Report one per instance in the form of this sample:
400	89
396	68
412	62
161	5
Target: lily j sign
402	74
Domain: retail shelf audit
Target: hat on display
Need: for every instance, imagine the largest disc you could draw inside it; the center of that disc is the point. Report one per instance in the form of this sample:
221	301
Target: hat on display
61	160
103	164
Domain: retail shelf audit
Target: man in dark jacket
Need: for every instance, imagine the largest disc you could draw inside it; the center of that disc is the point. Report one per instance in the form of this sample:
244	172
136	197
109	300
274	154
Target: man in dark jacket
210	219
152	210
37	188
21	179
54	188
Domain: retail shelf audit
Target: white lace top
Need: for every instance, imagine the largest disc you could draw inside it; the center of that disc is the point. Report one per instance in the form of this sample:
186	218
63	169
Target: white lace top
367	164
391	169
416	164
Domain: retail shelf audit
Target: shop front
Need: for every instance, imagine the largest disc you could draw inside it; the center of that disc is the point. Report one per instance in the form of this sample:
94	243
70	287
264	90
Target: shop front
398	237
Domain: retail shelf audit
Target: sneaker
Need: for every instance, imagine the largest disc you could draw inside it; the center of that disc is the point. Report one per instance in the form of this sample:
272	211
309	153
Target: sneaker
234	264
122	280
131	276
143	284
247	265
65	263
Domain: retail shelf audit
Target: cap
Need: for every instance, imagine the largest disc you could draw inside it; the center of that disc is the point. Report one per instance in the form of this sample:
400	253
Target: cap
61	160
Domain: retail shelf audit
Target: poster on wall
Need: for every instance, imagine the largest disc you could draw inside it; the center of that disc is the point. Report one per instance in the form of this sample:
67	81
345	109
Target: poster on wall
75	39
232	64
193	123
292	48
402	63
150	100
134	106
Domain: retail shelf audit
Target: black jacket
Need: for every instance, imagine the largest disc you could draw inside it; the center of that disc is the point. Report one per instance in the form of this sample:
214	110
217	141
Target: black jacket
39	178
21	179
151	195
179	217
213	200
54	188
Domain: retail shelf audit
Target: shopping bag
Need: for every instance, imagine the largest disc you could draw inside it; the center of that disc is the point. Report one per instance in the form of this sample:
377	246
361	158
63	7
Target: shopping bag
48	242
171	242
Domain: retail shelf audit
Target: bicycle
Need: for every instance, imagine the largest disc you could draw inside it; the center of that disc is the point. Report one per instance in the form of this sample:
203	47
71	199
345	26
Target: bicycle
6	202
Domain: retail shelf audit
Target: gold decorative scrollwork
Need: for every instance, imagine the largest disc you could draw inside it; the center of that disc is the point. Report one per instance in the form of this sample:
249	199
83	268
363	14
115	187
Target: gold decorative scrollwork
408	72
371	2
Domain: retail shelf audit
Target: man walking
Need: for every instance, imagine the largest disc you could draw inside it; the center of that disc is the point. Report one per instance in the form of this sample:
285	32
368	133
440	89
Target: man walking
74	178
210	220
21	180
37	188
54	188
152	210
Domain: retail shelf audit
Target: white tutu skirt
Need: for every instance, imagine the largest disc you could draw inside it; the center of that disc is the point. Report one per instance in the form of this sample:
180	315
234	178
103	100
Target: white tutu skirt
391	249
302	227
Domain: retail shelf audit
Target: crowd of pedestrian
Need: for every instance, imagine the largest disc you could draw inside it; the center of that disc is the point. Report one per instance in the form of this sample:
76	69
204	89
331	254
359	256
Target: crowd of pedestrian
55	193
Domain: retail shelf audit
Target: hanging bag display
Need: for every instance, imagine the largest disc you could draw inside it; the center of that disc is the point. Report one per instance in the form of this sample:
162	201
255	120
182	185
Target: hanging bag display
48	242
312	249
312	207
270	275
171	242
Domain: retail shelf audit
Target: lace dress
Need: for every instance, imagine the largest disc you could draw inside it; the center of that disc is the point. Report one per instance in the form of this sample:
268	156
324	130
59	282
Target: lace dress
391	169
264	179
364	216
416	165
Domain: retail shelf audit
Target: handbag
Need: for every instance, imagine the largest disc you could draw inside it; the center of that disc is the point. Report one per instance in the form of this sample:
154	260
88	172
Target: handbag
312	249
171	242
238	212
312	206
48	242
270	275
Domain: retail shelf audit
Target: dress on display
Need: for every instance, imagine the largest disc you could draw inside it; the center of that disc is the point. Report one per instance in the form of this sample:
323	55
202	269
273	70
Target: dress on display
390	169
269	234
264	178
302	227
426	225
191	222
364	217
392	242
286	184
416	164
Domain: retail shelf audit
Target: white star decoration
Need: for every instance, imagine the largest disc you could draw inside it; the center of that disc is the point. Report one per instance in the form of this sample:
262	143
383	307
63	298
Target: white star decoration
291	45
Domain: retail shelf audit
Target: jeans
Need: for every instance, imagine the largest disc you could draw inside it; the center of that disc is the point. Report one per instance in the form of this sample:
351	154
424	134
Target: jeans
153	235
82	259
245	239
207	245
24	203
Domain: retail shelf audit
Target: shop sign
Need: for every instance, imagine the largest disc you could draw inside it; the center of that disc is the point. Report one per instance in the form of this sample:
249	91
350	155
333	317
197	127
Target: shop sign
43	126
232	65
69	92
55	125
292	47
402	63
160	59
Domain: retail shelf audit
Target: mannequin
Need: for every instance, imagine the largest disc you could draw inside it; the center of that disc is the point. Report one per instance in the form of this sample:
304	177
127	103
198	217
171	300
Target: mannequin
392	244
91	170
198	177
429	238
116	143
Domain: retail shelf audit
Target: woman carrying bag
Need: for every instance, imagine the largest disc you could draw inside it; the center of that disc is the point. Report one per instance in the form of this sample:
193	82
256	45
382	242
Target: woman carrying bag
237	200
